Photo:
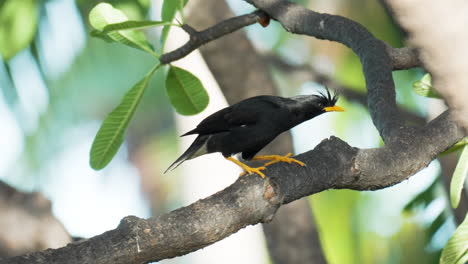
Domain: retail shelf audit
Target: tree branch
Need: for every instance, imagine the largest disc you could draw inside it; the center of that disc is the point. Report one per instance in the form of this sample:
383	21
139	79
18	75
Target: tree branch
403	58
333	164
198	38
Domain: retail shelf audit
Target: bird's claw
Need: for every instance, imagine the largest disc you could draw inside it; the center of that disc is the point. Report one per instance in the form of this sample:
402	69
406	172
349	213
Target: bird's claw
286	158
250	170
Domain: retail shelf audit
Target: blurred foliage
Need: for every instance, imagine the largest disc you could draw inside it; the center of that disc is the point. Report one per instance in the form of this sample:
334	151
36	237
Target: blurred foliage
18	25
459	178
338	237
134	10
456	251
424	87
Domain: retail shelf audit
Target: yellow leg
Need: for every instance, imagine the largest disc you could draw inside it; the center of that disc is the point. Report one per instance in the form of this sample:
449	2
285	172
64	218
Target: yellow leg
246	168
278	158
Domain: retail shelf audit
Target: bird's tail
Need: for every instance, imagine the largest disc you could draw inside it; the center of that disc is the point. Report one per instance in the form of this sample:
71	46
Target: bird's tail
197	148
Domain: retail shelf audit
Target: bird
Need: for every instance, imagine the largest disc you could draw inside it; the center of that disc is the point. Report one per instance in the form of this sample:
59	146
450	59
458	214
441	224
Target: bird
246	127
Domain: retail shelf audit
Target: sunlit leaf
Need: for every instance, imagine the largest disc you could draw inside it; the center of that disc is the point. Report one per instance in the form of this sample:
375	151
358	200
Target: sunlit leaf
104	15
456	250
458	178
18	25
111	134
424	87
185	91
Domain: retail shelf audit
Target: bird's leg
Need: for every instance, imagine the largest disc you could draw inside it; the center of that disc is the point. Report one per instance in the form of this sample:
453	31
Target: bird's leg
246	168
278	158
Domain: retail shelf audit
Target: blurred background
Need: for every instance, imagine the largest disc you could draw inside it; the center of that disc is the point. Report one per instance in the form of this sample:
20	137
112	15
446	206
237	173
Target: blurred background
57	84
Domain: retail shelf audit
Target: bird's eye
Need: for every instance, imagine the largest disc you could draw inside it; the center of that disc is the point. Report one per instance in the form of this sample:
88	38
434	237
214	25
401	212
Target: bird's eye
320	105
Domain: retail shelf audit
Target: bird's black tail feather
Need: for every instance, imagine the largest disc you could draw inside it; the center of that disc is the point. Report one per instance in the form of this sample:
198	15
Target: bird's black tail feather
193	151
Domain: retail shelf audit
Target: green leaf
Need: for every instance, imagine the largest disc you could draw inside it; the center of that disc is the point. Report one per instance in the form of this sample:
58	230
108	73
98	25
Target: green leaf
111	134
133	25
168	12
170	8
186	92
458	178
104	15
18	25
99	34
424	87
456	250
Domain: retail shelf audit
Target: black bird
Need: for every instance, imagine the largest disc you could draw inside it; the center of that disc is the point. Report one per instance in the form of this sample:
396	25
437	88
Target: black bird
248	126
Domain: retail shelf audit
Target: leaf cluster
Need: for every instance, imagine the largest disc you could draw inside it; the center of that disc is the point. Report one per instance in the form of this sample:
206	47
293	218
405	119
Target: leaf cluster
185	91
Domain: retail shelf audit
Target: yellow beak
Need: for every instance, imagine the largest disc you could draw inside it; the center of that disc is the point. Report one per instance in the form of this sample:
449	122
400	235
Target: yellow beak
333	108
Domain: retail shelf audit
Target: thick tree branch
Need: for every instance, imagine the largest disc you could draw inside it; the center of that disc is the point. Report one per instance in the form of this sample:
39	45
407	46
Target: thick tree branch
333	164
403	58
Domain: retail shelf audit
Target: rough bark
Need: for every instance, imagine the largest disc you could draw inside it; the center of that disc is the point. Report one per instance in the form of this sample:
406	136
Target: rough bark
333	164
299	242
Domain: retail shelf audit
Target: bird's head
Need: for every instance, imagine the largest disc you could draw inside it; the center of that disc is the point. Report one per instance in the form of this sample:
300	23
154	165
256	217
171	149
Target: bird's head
310	106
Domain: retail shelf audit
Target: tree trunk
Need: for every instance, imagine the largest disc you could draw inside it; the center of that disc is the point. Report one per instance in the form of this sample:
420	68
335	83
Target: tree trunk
27	223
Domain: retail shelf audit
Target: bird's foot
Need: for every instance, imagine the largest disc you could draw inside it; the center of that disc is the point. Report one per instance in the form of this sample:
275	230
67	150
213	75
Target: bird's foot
247	169
250	170
277	158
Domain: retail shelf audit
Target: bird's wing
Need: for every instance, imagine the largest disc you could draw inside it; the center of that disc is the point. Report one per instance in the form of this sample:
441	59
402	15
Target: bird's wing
223	120
246	112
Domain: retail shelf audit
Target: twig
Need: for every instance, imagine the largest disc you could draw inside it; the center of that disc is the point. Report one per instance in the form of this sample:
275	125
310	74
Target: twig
198	38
